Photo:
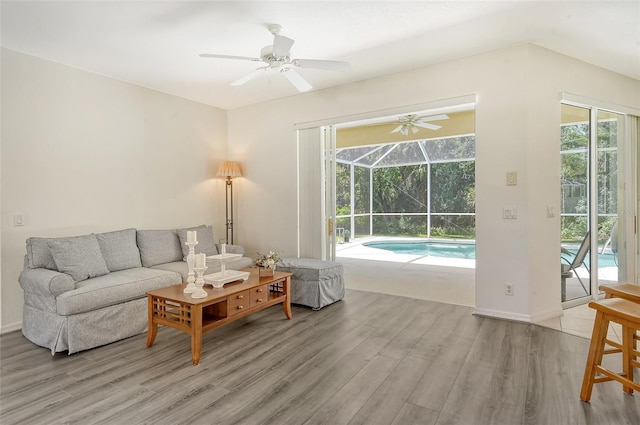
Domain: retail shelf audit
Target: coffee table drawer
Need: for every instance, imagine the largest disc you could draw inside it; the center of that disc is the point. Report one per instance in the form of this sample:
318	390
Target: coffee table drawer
259	295
238	302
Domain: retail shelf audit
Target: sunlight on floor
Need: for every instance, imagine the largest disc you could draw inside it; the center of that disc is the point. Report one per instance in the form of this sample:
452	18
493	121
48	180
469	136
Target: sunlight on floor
445	280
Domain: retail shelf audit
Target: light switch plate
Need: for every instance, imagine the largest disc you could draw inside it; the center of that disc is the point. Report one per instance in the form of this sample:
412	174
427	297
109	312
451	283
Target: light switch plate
512	178
18	220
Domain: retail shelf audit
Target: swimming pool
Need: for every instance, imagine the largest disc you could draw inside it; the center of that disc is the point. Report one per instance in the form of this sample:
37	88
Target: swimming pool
464	250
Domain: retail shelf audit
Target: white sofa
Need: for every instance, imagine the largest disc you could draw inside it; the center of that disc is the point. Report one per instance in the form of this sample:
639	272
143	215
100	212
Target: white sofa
85	291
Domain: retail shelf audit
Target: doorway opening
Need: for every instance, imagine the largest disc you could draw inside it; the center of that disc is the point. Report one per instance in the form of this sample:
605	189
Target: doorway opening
593	201
405	204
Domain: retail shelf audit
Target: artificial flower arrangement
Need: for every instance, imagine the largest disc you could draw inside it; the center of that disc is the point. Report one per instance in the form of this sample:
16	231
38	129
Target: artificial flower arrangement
268	261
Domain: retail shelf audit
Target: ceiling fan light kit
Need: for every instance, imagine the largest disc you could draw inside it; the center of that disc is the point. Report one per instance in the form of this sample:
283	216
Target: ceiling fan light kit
277	57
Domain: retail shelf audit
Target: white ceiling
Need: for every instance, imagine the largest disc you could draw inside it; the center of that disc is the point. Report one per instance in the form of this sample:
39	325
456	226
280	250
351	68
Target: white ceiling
156	43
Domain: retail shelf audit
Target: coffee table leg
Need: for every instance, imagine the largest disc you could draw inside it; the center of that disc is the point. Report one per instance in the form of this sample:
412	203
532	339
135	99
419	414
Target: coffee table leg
196	333
153	327
287	304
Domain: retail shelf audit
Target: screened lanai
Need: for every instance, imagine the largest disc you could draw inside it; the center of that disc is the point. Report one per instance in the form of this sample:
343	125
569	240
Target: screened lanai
422	187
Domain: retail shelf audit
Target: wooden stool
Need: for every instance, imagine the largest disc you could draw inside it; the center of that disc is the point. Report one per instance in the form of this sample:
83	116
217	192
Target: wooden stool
624	290
629	292
627	314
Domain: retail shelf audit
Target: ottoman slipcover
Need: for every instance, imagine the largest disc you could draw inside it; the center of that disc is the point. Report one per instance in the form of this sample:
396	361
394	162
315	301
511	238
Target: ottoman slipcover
315	283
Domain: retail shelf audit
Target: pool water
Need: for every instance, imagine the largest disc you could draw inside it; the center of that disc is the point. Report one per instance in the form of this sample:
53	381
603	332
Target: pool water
464	250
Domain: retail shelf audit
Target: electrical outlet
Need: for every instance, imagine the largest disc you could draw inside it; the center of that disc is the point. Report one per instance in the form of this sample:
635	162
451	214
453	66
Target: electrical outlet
509	213
508	288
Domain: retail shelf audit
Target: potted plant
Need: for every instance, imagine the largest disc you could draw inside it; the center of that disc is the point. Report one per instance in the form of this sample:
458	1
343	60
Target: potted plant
266	263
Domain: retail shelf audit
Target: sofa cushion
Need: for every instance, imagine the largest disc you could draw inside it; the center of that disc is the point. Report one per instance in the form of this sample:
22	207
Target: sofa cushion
206	244
120	249
39	254
114	288
158	247
78	256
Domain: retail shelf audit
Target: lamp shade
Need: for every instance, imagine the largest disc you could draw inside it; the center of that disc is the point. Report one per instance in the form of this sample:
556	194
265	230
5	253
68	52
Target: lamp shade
229	169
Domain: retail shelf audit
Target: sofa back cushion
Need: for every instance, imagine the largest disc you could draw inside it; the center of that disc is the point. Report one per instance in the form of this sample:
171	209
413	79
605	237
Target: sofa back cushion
206	244
78	256
158	247
120	249
39	254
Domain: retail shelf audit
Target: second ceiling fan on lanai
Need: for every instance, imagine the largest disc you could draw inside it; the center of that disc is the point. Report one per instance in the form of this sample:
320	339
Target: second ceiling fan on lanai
412	122
277	57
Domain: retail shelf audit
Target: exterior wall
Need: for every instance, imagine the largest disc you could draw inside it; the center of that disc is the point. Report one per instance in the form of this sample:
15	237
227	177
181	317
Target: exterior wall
82	153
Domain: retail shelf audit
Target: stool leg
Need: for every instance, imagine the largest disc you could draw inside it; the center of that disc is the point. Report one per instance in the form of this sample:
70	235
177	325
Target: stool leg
596	351
628	344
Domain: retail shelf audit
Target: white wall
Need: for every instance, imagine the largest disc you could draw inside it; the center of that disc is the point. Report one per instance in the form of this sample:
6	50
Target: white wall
83	153
517	129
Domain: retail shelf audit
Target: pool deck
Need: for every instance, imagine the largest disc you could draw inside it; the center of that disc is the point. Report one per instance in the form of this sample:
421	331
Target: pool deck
446	280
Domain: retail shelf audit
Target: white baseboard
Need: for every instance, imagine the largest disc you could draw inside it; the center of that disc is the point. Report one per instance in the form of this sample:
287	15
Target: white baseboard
539	317
496	314
551	314
10	327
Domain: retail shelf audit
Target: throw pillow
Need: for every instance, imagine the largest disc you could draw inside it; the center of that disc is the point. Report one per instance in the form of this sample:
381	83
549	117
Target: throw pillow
158	247
206	244
119	249
78	256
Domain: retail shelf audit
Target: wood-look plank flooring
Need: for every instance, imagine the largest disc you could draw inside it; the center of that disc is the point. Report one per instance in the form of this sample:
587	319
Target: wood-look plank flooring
370	359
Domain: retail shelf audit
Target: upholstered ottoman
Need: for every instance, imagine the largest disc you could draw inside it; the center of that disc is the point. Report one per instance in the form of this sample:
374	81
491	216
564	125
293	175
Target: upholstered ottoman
314	283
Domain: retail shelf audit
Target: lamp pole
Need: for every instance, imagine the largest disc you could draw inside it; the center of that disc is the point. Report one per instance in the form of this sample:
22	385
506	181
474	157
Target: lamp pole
229	170
229	207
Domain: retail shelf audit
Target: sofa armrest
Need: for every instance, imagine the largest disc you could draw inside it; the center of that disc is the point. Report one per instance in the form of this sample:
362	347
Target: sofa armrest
46	282
232	249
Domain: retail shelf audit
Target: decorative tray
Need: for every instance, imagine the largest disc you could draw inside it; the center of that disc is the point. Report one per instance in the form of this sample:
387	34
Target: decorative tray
224	257
217	280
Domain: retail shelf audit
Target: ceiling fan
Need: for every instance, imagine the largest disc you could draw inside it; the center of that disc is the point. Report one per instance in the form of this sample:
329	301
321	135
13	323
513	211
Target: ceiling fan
412	122
277	58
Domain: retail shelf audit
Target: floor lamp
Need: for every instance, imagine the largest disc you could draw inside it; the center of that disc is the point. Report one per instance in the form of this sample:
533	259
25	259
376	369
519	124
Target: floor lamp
229	169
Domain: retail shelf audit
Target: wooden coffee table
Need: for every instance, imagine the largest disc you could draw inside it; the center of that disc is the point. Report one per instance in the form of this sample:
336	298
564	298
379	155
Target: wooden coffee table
171	307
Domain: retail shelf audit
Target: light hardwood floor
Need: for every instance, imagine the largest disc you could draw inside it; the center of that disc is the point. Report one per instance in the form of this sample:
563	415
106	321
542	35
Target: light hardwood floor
370	359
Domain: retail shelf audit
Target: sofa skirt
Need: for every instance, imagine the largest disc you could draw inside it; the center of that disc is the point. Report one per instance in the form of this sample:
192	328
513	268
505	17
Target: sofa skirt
87	330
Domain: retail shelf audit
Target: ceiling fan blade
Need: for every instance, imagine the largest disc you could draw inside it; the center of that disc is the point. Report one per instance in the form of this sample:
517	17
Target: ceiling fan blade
296	79
253	74
244	58
282	45
398	128
434	118
427	125
322	64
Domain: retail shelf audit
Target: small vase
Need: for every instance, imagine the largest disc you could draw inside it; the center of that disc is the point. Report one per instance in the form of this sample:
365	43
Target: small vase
265	271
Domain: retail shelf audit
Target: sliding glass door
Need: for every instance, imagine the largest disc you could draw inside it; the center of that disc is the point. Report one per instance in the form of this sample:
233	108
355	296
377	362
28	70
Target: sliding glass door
593	201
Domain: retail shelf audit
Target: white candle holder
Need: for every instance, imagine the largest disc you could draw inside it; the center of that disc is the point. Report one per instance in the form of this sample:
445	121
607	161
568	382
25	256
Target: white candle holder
199	292
191	260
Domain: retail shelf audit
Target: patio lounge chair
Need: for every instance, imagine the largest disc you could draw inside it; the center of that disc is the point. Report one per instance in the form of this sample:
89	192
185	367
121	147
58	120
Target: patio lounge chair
613	241
572	264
